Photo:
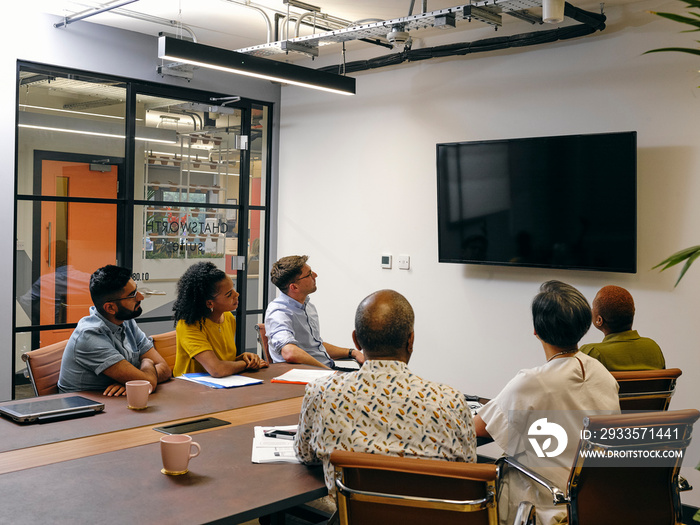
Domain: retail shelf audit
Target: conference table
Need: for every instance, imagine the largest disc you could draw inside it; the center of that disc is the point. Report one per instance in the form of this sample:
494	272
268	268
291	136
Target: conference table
106	468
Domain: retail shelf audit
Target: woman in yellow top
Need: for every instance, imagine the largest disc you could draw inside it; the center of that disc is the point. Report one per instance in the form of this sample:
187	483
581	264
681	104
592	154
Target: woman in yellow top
205	326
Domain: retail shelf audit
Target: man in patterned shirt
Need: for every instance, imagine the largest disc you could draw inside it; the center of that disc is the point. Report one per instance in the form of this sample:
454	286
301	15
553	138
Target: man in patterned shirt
383	408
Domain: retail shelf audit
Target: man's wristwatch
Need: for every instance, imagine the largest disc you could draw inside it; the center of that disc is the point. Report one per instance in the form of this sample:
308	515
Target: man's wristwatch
350	353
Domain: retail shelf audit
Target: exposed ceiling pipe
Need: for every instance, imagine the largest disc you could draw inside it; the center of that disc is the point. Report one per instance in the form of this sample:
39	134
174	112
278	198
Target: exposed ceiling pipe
333	25
257	9
590	23
297	26
194	116
299	20
280	18
330	19
365	21
156	20
92	12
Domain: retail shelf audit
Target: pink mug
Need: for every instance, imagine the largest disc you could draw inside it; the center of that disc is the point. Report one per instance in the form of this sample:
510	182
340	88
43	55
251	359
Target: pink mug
137	392
176	451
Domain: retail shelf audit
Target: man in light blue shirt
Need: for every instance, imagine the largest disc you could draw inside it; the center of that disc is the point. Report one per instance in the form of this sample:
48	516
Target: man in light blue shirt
291	321
107	348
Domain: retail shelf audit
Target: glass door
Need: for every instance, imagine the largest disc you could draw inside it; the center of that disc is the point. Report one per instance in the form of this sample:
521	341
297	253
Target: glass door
69	210
195	188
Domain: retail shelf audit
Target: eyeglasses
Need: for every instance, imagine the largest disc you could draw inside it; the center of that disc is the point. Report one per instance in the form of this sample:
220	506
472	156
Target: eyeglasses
132	295
307	275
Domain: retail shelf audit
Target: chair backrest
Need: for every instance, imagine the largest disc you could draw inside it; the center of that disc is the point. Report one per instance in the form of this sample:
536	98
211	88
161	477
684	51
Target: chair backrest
374	488
627	466
44	367
262	339
646	389
166	345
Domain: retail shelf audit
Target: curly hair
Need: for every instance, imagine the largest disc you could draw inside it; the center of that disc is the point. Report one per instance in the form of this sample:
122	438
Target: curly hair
197	285
286	270
616	306
561	315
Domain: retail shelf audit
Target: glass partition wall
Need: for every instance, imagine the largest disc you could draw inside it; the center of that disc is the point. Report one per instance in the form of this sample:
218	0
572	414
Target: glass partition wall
145	176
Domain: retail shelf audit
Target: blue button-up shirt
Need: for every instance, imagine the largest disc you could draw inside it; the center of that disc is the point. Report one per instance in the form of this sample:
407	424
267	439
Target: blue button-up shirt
95	345
290	322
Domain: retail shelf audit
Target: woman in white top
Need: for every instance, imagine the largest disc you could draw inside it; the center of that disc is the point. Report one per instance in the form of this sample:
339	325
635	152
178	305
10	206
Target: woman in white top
523	419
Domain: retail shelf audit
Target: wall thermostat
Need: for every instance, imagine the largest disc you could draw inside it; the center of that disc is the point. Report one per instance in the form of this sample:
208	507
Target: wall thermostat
386	261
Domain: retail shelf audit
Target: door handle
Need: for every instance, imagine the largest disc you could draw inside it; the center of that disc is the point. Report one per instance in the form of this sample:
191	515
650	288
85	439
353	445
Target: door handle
48	252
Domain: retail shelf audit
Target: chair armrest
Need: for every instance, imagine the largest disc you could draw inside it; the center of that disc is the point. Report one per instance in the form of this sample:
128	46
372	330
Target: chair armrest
525	514
558	495
417	501
683	484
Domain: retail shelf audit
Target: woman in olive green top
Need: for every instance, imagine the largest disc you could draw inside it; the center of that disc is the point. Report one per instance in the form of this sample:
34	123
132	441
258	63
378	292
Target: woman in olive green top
205	326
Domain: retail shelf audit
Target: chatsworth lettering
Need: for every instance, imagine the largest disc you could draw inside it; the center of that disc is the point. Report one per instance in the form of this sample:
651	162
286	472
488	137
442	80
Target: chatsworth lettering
191	227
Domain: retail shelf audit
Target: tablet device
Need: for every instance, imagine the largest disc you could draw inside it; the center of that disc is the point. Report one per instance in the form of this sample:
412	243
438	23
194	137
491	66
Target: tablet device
192	426
346	365
39	409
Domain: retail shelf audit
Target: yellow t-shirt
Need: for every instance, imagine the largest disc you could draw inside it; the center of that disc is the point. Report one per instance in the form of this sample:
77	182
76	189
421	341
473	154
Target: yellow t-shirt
221	338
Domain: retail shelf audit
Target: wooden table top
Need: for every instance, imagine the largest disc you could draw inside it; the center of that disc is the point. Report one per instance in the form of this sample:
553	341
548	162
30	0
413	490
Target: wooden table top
172	401
106	468
126	486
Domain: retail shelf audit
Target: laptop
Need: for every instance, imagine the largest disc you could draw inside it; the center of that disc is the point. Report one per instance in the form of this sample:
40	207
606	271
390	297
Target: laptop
41	410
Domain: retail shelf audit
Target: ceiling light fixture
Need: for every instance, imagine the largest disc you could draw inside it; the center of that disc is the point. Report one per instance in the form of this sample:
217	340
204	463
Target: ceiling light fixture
84	113
92	127
252	66
94	133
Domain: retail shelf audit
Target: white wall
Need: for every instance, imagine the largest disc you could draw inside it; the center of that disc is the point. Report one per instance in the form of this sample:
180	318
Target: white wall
89	47
357	179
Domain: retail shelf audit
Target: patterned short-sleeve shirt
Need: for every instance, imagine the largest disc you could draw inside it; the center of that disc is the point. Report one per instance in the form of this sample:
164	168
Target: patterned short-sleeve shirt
383	409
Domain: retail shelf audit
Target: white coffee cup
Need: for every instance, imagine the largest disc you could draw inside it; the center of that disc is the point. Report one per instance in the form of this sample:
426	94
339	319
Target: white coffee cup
176	452
137	392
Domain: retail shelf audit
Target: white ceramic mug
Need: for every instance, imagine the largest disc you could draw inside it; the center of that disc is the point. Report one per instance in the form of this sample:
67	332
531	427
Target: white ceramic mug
176	451
137	392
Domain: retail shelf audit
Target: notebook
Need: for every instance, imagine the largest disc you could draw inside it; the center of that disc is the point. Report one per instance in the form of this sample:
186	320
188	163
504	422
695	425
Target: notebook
302	376
38	409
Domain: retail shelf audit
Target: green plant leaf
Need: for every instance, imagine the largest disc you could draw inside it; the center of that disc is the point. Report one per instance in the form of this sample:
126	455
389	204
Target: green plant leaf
677	257
687	265
678	18
676	49
689	255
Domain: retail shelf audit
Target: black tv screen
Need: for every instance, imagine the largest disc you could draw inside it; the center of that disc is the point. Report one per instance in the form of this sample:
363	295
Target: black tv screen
554	202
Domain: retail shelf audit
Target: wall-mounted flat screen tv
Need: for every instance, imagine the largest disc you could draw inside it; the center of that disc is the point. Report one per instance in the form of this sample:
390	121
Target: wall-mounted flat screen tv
552	202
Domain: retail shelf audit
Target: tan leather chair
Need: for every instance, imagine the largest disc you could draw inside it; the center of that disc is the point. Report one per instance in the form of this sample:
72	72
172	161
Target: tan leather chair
378	489
646	389
262	339
44	367
633	487
166	345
